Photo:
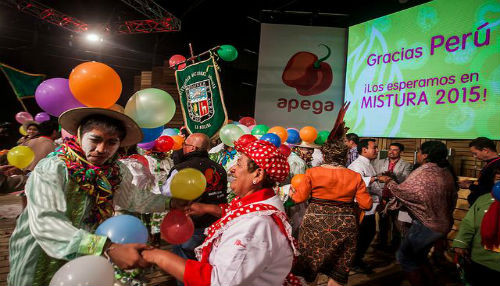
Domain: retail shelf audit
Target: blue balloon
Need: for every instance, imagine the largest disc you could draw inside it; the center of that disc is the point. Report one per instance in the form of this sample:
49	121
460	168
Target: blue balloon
170	132
273	138
293	136
123	229
150	134
496	191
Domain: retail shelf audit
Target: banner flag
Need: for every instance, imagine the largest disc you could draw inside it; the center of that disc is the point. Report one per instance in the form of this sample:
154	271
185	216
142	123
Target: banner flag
202	101
24	84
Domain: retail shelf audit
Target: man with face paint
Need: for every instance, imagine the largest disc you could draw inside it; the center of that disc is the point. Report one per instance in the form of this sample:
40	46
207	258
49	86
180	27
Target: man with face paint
72	191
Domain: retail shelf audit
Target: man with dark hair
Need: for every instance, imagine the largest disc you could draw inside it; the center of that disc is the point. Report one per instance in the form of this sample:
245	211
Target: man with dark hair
368	151
44	144
485	150
195	155
398	169
351	140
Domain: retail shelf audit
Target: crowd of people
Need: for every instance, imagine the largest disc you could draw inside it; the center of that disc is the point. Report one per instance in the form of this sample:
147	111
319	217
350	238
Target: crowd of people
265	218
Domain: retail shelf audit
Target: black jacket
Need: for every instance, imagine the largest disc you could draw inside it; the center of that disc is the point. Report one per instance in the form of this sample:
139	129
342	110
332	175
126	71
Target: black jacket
485	182
216	190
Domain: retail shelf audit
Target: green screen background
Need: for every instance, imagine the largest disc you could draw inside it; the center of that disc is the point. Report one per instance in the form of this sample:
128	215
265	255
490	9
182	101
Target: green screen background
413	28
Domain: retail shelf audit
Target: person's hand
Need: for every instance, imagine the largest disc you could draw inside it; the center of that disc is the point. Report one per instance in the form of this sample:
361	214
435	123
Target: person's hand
178	203
196	209
465	184
152	255
9	170
464	252
127	256
384	179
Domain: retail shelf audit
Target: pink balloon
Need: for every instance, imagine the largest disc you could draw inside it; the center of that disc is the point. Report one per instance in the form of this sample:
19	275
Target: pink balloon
23	116
41	117
176	227
175	59
147	145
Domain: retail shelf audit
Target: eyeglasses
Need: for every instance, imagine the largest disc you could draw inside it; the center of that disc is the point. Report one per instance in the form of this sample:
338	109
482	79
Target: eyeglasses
185	144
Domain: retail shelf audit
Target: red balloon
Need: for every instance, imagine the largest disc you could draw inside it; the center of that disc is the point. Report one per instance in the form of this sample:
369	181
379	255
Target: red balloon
175	59
285	150
176	227
141	159
248	121
245	139
164	144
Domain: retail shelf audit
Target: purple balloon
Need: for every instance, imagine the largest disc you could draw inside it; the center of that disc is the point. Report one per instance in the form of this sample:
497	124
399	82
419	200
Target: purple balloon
147	145
41	117
55	97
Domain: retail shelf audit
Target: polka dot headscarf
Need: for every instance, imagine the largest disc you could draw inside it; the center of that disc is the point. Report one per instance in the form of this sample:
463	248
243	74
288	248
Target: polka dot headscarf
267	157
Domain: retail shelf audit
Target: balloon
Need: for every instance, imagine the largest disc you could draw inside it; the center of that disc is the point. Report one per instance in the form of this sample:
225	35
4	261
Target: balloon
248	121
22	131
322	137
227	53
141	159
55	97
251	127
273	138
285	150
85	270
297	180
65	134
308	134
95	85
170	132
164	144
245	129
41	117
280	131
123	229
245	139
293	136
150	134
260	129
178	140
150	107
147	145
175	59
23	116
188	184
496	191
230	133
20	156
176	227
117	107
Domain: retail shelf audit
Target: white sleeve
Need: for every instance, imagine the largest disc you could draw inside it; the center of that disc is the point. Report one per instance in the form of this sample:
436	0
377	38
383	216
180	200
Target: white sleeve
243	253
358	169
165	188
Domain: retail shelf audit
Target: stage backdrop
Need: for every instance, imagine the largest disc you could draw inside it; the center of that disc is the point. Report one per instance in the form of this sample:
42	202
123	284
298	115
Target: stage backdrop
432	71
301	76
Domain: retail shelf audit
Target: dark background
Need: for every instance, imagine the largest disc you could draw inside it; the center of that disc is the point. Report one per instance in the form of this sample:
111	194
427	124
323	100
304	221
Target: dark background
35	46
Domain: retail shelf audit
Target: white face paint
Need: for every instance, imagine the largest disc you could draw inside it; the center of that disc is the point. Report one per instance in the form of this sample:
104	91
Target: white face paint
99	146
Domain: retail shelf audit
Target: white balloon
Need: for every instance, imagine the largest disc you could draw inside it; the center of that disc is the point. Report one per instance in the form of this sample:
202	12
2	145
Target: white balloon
245	129
83	271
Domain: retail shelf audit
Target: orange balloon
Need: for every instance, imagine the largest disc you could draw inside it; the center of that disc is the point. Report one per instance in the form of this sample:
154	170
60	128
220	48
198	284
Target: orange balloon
95	84
298	180
308	134
178	140
280	131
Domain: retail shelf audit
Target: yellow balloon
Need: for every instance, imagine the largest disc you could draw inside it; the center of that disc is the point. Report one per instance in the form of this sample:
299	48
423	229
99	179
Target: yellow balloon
22	131
188	184
20	156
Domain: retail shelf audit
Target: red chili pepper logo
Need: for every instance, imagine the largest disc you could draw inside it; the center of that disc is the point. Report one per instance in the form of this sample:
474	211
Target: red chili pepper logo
308	74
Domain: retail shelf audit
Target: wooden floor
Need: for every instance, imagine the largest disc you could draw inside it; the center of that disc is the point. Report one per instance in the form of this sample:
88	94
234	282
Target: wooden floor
386	271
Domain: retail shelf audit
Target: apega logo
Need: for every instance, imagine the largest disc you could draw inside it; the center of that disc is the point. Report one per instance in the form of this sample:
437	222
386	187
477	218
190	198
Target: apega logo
308	74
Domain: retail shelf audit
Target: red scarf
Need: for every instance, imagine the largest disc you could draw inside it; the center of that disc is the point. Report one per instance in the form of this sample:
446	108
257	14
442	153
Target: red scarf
490	226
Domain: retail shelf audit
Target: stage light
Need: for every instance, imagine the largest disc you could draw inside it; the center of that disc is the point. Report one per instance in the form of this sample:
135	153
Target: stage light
93	37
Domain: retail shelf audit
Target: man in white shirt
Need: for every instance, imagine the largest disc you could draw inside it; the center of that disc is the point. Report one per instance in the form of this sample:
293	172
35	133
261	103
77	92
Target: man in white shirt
368	150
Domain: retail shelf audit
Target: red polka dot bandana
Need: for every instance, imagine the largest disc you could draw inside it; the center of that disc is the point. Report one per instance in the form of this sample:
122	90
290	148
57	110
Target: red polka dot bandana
267	157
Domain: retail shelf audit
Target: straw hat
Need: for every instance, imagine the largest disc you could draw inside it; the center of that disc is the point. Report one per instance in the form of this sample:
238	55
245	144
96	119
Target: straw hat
304	144
70	121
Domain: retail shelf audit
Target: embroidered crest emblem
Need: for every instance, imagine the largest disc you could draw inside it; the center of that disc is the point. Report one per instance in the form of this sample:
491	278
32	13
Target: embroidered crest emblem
199	101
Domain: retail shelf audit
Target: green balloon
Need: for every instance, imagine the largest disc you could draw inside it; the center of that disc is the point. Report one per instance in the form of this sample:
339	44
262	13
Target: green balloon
260	129
322	137
150	107
230	133
227	53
